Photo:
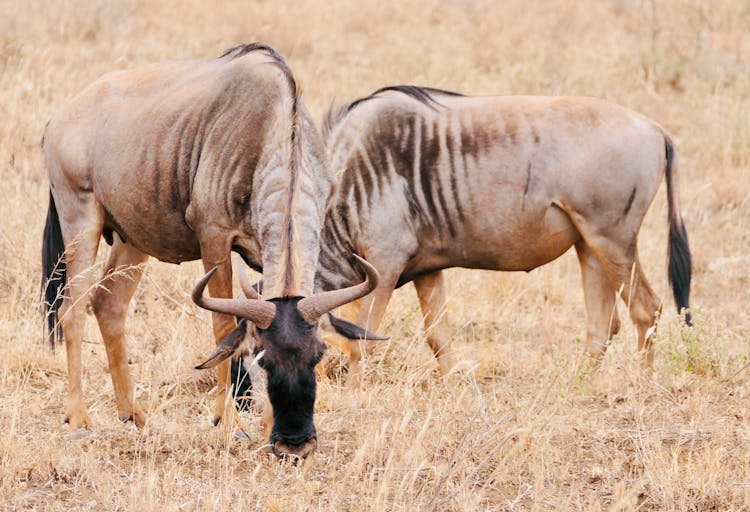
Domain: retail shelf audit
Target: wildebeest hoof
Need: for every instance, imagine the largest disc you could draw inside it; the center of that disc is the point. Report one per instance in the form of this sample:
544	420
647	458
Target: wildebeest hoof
136	416
77	418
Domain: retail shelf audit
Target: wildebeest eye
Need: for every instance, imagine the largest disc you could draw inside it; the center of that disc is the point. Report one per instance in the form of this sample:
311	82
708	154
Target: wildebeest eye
264	363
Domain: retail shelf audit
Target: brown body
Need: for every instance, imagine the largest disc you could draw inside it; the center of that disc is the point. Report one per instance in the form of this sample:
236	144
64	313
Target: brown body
184	160
432	180
190	146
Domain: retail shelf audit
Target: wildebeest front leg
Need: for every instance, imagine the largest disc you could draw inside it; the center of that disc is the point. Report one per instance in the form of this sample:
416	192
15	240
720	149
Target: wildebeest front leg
600	296
110	303
371	310
220	286
431	292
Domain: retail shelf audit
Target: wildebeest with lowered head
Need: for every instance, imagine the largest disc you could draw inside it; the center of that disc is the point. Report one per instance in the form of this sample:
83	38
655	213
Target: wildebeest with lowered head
183	160
432	179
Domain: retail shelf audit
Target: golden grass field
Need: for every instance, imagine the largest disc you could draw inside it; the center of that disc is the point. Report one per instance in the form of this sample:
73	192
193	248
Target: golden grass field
528	429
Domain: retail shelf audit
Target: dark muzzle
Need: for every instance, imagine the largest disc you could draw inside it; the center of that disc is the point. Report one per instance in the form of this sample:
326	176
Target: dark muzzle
302	451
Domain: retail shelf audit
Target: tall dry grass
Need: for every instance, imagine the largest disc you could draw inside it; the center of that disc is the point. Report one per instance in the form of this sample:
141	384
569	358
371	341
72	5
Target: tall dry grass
528	430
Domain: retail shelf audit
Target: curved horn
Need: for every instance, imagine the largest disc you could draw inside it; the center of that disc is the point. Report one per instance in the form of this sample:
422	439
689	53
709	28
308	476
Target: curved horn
260	312
251	291
315	306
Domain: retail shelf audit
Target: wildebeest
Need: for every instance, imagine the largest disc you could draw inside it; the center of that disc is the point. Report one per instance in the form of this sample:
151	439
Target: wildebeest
194	159
431	179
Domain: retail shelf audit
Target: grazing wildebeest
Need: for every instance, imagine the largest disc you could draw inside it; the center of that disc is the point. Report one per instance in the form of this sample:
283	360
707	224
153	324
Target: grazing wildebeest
194	159
432	179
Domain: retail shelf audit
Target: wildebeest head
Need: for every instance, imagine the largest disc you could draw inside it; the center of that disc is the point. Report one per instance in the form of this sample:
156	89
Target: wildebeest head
288	347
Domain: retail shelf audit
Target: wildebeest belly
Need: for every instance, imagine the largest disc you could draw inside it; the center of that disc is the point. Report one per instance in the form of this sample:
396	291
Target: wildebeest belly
149	223
519	242
510	243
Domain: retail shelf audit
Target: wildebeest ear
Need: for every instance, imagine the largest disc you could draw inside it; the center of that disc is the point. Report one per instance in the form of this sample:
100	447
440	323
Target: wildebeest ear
353	331
227	347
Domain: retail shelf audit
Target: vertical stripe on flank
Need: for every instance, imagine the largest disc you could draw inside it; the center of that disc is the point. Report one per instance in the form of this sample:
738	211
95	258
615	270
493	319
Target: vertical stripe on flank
453	144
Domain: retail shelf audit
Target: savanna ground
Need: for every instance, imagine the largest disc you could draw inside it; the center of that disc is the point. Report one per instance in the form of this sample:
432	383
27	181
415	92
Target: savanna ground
528	430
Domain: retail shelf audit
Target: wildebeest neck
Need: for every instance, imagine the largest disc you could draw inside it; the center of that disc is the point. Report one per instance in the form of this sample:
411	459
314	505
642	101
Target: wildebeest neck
336	268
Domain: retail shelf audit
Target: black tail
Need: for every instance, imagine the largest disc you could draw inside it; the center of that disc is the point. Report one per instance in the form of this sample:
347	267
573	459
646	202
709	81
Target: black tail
680	261
53	271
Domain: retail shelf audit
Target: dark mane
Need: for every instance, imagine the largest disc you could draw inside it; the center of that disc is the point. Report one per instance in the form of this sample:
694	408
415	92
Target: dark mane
294	158
244	49
424	95
278	59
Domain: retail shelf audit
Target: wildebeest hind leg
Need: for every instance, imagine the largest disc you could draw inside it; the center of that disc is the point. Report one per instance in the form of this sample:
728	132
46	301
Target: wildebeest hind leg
624	271
616	250
431	292
110	303
625	274
645	308
600	296
81	225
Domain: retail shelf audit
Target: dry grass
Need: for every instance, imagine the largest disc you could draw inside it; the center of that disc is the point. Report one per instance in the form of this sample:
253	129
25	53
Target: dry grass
530	431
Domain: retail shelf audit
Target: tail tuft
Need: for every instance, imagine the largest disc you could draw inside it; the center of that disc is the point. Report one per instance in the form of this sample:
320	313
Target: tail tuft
680	259
54	272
